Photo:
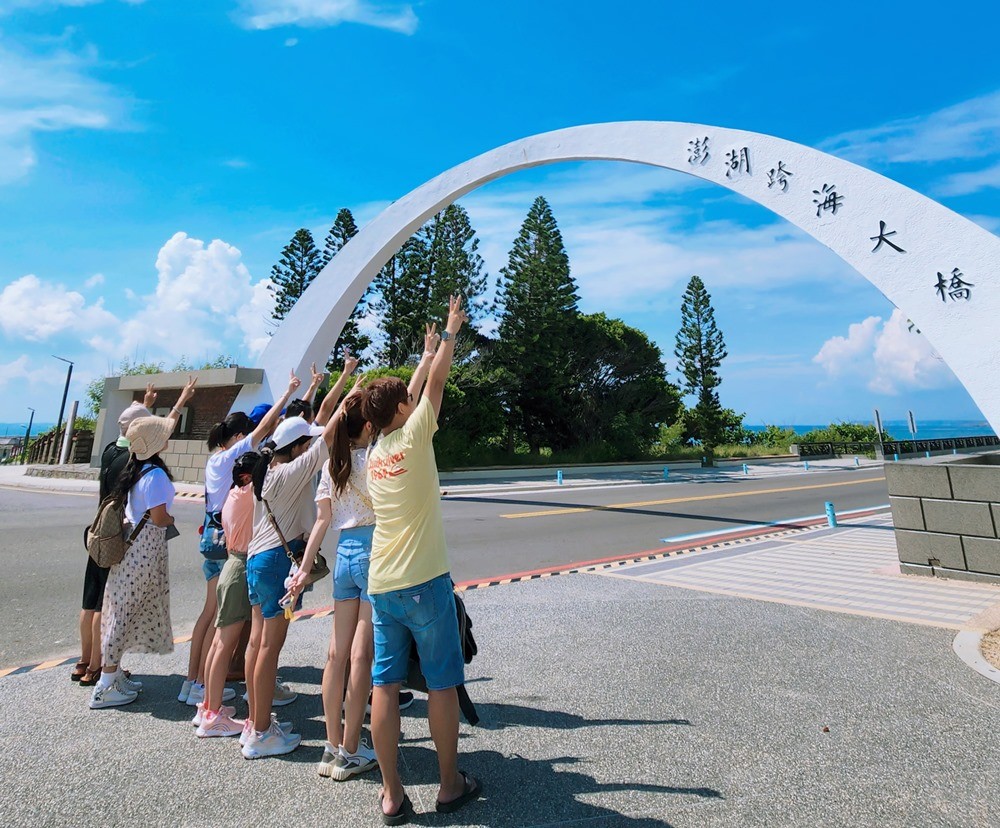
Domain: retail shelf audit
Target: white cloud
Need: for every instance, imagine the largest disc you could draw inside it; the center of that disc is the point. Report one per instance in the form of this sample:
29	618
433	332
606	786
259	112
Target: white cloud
20	371
292	41
35	310
966	183
49	93
969	129
890	356
95	280
270	14
236	163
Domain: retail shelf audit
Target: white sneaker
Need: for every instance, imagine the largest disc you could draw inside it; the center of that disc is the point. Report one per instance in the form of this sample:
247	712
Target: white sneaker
228	694
346	765
283	695
130	684
182	697
196	720
219	724
248	728
114	695
197	694
274	742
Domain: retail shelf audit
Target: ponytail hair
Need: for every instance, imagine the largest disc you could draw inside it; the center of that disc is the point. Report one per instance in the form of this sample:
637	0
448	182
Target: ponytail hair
349	426
245	464
221	433
130	474
267	453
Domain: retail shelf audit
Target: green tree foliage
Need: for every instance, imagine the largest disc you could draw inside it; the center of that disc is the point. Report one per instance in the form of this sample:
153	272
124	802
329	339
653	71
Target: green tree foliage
400	304
534	352
843	433
700	349
621	395
300	261
351	337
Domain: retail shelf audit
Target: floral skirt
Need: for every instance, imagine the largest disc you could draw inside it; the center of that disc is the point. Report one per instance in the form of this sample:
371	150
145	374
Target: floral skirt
136	612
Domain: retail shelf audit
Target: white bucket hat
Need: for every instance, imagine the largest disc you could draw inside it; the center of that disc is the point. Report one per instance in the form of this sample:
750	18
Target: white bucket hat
292	429
148	435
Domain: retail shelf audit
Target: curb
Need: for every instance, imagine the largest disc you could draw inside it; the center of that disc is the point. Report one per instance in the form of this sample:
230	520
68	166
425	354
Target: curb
967	647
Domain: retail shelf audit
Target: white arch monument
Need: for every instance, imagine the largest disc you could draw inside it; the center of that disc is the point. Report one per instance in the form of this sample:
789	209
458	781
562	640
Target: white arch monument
935	265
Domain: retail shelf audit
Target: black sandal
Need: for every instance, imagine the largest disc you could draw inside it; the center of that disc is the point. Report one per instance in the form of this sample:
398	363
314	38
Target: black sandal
79	671
471	792
402	815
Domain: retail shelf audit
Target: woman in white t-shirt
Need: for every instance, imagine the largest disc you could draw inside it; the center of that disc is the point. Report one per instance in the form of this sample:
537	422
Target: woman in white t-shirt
230	439
136	613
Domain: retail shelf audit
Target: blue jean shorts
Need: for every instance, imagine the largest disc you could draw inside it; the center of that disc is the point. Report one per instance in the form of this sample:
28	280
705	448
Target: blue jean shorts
425	614
212	569
350	572
266	573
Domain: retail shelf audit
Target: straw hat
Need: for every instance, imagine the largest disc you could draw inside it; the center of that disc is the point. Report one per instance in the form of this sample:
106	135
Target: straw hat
149	435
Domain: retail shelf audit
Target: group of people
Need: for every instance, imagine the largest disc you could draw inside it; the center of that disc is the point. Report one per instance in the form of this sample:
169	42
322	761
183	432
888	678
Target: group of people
266	518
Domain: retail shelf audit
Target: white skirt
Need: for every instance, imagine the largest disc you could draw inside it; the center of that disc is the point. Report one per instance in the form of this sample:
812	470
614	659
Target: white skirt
136	613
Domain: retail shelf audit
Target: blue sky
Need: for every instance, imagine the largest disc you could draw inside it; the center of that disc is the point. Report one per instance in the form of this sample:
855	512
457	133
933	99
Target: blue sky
155	156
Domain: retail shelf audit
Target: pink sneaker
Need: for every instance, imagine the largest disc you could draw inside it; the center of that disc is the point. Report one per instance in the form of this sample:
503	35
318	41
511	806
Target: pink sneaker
219	724
196	721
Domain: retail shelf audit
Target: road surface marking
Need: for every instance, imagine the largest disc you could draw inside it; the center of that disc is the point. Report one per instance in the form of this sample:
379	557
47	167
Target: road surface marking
575	510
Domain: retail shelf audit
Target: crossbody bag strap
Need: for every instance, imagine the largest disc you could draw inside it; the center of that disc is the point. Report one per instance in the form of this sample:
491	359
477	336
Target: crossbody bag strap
365	499
138	528
281	535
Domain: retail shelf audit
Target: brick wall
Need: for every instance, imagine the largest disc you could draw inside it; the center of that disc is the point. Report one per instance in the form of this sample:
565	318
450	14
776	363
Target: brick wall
188	451
946	515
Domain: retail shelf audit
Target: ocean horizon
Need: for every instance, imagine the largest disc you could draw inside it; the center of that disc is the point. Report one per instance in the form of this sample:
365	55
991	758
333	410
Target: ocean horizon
900	429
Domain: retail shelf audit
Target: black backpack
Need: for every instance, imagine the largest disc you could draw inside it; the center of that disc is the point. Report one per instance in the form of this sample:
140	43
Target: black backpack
416	680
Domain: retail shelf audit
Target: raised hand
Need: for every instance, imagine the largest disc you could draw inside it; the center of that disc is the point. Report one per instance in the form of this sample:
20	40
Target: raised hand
149	399
350	363
294	383
317	377
456	315
188	391
431	340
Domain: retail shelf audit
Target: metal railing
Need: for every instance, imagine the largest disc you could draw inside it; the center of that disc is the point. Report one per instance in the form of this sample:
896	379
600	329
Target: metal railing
894	447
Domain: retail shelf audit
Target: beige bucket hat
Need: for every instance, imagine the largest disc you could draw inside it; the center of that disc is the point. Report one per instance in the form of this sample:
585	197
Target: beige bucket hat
149	435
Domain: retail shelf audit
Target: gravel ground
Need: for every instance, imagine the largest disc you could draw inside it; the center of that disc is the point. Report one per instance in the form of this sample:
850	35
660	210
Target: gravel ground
990	647
603	703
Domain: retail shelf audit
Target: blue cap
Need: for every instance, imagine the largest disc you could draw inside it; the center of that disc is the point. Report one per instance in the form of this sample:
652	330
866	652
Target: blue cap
258	413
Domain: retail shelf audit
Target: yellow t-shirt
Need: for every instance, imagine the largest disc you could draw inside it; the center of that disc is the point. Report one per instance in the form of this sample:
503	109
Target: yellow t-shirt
408	547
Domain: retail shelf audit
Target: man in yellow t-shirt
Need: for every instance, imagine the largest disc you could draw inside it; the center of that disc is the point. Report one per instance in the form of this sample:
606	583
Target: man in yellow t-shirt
408	580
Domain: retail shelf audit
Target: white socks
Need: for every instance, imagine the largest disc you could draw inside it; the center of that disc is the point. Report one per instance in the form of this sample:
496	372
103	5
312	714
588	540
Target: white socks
107	679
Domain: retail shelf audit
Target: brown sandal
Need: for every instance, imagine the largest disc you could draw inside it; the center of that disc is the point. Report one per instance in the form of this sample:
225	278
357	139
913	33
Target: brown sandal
79	671
90	678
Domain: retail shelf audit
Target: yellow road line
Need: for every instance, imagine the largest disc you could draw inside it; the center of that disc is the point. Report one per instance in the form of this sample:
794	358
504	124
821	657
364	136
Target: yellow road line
574	510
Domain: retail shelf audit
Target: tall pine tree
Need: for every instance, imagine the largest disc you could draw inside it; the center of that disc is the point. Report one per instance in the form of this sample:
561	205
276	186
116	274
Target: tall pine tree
400	303
538	298
351	337
300	261
700	349
454	266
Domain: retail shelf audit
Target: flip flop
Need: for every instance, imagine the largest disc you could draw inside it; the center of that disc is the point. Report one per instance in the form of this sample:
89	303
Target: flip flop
402	815
471	792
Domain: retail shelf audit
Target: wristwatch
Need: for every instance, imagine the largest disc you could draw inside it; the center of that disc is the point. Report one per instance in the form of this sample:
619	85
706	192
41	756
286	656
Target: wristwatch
445	335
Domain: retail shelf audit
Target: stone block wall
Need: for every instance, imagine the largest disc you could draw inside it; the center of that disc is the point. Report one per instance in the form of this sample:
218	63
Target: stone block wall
946	513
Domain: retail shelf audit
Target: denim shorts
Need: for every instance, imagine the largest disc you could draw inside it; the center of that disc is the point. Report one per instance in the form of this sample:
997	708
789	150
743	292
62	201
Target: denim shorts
350	573
212	569
266	573
425	614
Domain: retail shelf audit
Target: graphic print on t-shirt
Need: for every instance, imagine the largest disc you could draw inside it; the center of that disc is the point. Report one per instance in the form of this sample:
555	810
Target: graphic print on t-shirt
381	468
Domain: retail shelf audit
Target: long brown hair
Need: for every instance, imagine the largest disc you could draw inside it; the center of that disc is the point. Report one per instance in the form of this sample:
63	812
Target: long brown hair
349	426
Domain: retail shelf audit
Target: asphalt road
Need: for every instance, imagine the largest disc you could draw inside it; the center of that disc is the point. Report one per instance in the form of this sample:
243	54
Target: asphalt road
489	534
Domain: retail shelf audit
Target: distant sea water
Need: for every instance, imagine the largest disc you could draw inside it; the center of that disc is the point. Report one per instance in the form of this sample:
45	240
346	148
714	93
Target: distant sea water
926	429
17	429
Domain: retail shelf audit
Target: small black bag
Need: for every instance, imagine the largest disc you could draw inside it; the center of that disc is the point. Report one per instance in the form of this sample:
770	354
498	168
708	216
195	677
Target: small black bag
416	680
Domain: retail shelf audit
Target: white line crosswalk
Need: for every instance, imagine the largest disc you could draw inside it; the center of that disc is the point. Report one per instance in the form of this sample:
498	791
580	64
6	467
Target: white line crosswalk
851	569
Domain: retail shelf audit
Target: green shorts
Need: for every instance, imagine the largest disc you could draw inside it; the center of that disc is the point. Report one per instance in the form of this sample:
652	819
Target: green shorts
234	599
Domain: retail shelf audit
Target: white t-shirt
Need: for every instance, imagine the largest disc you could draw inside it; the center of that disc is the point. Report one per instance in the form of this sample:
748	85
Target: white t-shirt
288	488
153	489
353	507
219	473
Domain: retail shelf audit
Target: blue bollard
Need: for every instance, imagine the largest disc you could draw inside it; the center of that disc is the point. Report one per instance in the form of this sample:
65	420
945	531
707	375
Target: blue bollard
831	514
559	477
954	451
806	464
746	469
895	458
666	473
927	454
857	462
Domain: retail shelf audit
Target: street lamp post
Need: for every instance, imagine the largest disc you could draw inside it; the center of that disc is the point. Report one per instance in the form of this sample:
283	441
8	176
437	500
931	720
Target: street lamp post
27	436
62	405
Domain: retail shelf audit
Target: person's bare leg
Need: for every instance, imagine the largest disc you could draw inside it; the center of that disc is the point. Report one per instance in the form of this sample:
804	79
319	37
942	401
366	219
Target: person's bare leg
226	640
237	666
385	734
208	636
250	662
359	683
204	622
345	617
87	637
266	670
442	716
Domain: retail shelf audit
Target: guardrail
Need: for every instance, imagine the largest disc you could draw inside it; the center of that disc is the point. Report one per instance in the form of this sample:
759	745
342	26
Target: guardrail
892	448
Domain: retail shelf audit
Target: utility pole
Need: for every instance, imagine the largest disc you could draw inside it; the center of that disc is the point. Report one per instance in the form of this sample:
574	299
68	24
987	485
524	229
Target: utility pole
62	405
27	436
